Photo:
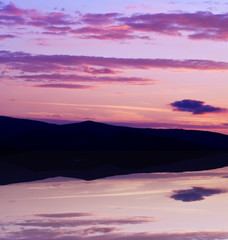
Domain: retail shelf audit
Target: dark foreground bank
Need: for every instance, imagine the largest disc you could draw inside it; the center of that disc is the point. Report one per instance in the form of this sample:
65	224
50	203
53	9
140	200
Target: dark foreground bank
32	150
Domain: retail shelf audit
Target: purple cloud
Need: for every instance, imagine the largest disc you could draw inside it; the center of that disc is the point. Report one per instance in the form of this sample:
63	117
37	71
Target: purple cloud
5	36
80	78
195	107
11	14
199	25
100	19
111	26
21	60
195	194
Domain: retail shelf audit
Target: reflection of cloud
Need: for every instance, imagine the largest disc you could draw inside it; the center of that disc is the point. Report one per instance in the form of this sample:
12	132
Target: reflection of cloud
195	194
62	85
65	215
107	233
195	107
85	222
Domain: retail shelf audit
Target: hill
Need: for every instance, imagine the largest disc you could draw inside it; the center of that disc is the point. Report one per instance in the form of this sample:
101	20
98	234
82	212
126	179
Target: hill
31	150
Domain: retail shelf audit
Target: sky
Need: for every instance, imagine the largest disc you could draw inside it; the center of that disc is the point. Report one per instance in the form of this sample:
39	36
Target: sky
138	63
149	206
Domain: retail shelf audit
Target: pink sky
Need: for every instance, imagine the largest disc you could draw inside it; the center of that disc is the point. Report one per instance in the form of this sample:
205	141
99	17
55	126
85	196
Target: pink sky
136	63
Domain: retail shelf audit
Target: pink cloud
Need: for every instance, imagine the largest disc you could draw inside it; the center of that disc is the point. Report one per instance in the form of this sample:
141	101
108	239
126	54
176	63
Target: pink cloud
129	8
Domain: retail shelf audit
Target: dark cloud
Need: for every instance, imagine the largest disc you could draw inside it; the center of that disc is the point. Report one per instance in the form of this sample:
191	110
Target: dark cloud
195	107
195	194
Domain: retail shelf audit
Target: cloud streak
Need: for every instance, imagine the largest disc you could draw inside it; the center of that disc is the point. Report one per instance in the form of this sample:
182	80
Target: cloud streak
195	107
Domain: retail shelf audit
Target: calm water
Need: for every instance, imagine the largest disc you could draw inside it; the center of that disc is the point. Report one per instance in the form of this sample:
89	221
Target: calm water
158	206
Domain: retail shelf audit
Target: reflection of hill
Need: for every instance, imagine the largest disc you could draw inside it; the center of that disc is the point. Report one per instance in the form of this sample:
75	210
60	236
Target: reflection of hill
92	150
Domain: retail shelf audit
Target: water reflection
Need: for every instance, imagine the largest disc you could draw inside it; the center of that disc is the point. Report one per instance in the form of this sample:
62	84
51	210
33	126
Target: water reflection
139	206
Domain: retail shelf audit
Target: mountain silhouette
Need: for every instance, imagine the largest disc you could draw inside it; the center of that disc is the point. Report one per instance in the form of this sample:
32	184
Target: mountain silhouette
31	150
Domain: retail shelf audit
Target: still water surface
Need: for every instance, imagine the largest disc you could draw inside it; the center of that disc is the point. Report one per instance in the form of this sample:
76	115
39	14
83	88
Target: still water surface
183	206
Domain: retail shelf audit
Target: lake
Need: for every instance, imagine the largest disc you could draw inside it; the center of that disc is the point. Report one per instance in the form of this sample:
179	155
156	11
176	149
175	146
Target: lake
161	206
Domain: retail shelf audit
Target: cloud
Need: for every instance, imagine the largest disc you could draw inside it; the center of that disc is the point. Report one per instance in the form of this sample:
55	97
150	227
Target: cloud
85	222
195	194
12	15
198	25
61	85
99	19
202	25
97	71
21	60
6	36
195	107
62	71
107	233
96	230
65	215
80	78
